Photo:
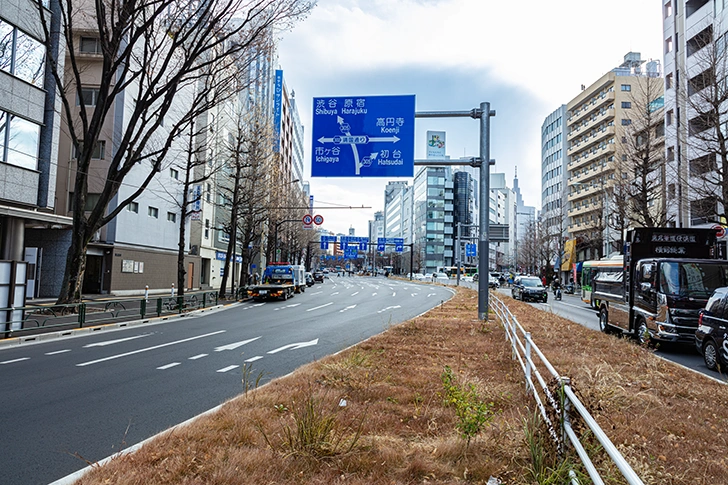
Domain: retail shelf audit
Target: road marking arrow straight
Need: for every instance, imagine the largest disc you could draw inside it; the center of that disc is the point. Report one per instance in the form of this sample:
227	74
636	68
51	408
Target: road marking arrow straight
295	346
235	345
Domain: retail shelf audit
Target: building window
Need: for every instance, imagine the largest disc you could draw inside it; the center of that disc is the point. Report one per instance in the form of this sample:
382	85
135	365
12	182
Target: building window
671	191
174	173
207	228
668	81
153	212
660	130
668	118
98	152
626	87
90	96
626	104
92	201
21	55
133	207
703	165
89	45
668	9
171	217
668	45
626	122
670	154
19	141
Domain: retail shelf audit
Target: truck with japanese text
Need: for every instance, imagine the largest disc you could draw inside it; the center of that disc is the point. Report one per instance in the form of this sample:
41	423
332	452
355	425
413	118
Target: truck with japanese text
667	277
280	281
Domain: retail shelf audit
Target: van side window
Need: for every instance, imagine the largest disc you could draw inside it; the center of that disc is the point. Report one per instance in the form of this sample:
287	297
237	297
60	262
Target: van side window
716	305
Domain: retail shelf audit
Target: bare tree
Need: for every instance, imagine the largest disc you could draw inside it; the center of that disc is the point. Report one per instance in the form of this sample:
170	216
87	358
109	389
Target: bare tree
636	191
155	56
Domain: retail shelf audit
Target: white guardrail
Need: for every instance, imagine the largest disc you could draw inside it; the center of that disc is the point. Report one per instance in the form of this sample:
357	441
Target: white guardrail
524	348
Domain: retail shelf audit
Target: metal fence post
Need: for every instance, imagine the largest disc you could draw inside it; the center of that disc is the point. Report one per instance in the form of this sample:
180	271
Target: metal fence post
81	314
528	361
180	304
204	300
565	408
143	307
159	307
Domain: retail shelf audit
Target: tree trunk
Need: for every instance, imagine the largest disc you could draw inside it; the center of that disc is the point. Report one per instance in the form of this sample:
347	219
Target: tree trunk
181	271
71	289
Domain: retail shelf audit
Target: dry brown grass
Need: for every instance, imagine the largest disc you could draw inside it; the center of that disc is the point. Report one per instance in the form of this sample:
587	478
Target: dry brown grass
395	429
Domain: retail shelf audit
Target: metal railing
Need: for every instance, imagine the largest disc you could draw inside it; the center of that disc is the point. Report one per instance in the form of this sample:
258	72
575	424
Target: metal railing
563	400
38	319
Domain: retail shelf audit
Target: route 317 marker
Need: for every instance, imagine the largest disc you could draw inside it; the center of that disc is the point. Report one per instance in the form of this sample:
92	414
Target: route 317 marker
357	136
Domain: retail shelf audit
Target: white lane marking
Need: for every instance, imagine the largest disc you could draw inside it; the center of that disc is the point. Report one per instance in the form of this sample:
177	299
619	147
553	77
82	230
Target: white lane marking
228	368
253	359
198	356
374	294
319	307
334	293
112	342
317	292
431	294
14	360
295	346
235	345
355	293
347	308
415	294
58	352
288	306
389	308
168	366
394	293
126	354
258	304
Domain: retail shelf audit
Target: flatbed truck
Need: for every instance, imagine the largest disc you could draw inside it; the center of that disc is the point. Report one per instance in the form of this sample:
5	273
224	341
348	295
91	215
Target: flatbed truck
280	281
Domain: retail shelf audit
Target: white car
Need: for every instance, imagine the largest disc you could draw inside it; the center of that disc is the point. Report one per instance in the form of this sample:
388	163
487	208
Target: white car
441	278
468	279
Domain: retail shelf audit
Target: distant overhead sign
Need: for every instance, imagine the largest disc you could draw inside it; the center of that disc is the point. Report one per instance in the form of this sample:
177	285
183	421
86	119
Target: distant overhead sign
356	136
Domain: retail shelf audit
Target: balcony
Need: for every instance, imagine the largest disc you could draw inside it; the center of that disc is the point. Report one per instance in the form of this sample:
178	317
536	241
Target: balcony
605	98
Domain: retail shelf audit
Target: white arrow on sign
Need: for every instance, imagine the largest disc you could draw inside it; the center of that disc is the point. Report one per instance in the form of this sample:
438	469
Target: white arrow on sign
235	345
298	345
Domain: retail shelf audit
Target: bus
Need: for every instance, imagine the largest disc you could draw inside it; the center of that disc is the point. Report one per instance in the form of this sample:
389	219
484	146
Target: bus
590	269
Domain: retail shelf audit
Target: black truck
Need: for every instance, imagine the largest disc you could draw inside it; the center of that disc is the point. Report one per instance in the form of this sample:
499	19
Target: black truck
668	276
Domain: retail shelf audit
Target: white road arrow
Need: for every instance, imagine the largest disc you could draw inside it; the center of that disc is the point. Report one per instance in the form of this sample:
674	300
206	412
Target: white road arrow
347	308
235	345
112	342
298	345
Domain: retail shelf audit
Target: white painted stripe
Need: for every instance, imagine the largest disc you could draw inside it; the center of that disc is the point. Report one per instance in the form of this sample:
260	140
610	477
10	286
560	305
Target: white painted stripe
318	307
253	359
374	294
198	356
126	354
14	360
355	293
389	308
228	368
317	293
394	293
112	342
334	293
235	345
415	294
168	366
58	352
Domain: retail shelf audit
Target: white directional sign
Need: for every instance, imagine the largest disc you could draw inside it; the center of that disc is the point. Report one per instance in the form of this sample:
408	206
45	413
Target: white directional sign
369	136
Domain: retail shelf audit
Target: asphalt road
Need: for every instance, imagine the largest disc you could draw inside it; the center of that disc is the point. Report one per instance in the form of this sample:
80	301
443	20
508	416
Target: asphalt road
71	401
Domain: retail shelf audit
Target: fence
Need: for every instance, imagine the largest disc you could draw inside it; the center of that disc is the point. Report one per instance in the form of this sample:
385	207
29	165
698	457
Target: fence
30	320
524	350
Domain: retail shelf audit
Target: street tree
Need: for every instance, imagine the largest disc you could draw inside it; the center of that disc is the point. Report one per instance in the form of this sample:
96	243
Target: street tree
154	53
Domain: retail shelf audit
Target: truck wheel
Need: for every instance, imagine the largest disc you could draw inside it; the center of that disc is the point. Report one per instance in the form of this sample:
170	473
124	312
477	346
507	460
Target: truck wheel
642	334
604	321
710	355
285	295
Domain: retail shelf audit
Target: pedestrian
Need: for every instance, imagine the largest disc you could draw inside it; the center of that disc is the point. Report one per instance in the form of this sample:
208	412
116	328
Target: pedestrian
543	280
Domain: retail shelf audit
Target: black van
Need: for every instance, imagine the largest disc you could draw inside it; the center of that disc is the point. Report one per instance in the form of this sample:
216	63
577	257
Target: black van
711	338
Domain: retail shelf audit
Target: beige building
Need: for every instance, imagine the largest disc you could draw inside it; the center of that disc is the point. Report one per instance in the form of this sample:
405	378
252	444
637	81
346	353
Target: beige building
598	124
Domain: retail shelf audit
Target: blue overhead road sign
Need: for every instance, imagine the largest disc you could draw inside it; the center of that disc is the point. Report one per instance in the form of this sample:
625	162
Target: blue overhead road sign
357	136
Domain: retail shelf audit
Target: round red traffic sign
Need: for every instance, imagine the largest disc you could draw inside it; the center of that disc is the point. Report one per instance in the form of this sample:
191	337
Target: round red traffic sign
318	219
307	219
719	230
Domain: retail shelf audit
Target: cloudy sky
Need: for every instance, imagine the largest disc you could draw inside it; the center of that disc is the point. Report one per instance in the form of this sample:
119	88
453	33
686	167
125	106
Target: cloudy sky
525	57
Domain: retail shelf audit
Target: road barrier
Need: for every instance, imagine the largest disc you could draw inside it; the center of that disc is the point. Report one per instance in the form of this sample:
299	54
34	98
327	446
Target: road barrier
562	400
38	319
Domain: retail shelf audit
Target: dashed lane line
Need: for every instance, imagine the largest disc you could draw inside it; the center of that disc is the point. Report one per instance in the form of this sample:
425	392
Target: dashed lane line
198	356
58	352
168	366
319	307
14	360
253	359
228	368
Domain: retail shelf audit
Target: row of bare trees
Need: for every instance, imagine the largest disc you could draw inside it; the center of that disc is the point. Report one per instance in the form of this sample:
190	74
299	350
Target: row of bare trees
165	63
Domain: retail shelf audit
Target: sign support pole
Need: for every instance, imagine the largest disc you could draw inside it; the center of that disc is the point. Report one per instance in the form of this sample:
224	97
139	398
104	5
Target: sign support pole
484	161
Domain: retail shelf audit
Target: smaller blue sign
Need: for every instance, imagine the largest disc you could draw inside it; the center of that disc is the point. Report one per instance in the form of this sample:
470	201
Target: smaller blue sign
471	250
398	244
363	246
324	245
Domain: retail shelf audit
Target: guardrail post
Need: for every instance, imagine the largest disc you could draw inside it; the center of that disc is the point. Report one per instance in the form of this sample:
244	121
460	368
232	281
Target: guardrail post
204	300
159	307
217	296
143	307
565	409
528	361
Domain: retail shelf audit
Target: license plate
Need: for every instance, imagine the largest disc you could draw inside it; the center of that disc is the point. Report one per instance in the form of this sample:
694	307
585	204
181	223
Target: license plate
263	292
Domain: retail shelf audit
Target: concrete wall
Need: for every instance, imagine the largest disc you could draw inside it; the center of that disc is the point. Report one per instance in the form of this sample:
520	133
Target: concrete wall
159	271
55	244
